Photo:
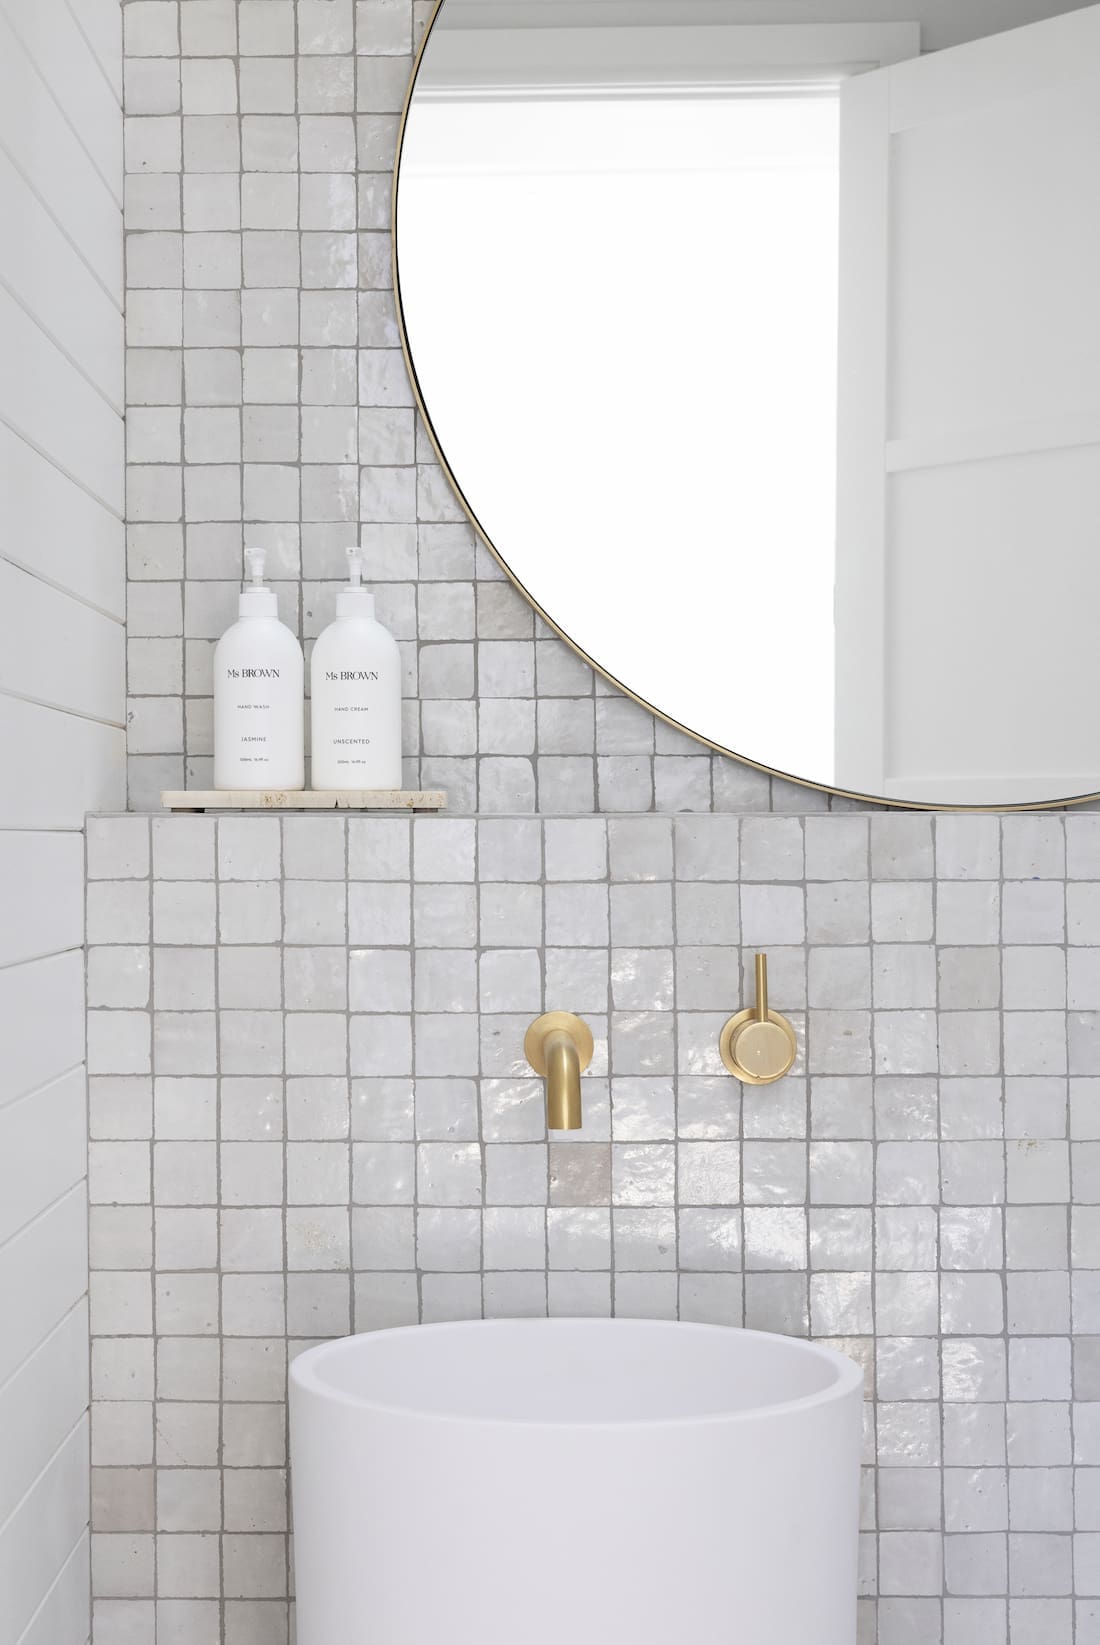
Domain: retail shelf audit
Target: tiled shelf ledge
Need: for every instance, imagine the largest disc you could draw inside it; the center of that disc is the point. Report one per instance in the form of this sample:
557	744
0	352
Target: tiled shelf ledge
309	799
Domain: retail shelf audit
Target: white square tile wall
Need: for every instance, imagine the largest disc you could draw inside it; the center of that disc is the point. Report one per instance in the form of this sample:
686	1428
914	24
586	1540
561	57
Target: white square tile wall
310	1114
268	404
309	1107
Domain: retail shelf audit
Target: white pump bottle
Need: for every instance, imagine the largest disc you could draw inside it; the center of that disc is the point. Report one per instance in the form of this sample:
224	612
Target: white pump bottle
355	695
259	730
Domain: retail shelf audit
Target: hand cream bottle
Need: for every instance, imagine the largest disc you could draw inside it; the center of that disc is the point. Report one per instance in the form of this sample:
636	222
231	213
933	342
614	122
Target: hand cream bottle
355	695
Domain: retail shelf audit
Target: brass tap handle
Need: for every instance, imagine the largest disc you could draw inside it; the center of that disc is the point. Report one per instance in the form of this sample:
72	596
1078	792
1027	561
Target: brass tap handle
758	1045
559	1046
761	988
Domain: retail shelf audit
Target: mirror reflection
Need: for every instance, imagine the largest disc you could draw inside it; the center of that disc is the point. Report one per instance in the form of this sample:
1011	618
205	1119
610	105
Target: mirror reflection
766	357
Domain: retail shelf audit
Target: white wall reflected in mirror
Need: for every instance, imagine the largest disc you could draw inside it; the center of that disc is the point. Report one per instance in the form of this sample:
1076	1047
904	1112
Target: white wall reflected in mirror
664	270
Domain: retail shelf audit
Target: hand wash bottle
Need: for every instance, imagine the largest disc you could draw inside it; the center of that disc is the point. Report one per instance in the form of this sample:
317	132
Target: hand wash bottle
355	694
259	729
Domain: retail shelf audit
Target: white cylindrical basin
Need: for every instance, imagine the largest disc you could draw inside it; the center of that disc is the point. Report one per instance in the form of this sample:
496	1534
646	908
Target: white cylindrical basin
575	1482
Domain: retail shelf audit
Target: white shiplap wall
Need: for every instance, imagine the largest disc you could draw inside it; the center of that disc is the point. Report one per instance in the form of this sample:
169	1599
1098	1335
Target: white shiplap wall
62	605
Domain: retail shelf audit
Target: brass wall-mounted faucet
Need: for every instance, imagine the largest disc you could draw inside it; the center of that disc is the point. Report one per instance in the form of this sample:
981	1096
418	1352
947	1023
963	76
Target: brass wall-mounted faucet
559	1046
759	1046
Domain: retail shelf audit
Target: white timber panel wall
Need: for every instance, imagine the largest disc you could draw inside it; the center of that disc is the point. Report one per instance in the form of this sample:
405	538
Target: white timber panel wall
62	737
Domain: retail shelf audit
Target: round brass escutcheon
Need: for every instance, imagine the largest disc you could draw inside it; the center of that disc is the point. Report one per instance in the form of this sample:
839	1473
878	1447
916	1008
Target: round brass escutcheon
557	1022
756	1052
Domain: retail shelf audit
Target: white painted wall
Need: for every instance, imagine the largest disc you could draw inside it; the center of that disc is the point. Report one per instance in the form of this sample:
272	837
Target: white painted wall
62	737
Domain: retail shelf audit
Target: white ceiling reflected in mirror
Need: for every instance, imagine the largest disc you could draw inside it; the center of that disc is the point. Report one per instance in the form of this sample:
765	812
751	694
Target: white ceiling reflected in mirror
766	357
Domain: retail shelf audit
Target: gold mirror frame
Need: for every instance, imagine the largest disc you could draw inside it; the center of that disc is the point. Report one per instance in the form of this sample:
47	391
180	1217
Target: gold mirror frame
697	736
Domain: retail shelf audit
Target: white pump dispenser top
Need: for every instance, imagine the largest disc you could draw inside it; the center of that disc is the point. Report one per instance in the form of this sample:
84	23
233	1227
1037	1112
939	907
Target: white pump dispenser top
257	600
355	600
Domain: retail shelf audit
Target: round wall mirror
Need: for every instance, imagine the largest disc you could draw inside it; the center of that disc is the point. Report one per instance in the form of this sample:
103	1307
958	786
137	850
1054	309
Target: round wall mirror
766	359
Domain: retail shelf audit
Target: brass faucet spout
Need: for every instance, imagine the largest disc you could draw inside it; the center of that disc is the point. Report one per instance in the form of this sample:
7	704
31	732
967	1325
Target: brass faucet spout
559	1047
563	1082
